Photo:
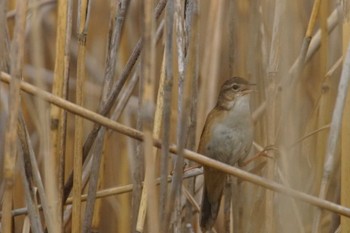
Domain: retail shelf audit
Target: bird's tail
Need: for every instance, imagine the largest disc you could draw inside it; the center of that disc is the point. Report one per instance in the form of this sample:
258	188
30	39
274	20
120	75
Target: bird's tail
211	204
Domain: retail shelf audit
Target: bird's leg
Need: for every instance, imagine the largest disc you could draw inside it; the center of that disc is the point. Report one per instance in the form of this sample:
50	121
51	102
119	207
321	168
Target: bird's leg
188	169
193	167
262	153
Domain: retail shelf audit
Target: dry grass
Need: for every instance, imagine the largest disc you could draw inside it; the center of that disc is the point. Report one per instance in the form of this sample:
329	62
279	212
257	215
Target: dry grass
118	91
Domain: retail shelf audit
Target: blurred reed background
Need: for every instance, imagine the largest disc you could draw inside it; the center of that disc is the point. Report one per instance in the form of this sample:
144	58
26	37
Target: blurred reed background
156	66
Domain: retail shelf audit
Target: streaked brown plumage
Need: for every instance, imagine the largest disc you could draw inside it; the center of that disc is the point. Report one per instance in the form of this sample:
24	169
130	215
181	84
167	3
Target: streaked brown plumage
227	137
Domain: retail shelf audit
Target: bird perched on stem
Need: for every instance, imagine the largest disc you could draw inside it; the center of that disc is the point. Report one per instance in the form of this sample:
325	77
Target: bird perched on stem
227	137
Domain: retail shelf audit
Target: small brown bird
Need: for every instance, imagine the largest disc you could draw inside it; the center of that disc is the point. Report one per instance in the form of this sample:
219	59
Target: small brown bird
227	137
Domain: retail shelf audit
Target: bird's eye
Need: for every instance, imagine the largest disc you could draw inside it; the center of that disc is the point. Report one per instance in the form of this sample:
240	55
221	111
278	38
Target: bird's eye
235	87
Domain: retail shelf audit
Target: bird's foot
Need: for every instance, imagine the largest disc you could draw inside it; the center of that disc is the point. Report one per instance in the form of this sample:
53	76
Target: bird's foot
262	153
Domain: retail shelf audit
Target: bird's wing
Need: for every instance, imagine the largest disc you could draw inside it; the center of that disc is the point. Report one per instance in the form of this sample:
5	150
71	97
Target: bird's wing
214	116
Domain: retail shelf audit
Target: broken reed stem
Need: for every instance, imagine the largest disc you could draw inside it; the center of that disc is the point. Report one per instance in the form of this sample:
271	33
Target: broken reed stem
10	147
95	117
33	212
313	17
27	176
83	18
313	45
28	151
306	41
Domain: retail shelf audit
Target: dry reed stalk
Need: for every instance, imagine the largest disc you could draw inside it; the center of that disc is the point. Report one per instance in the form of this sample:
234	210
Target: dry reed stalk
148	196
83	18
41	115
149	201
212	55
4	66
272	109
324	37
123	100
326	99
33	184
31	171
157	123
65	87
231	190
251	60
138	166
345	137
27	176
125	96
115	28
166	84
318	104
76	109
67	59
34	170
124	189
315	42
174	206
292	98
47	79
191	72
4	44
210	62
105	109
299	63
158	131
108	192
333	136
12	14
85	177
93	67
54	164
10	147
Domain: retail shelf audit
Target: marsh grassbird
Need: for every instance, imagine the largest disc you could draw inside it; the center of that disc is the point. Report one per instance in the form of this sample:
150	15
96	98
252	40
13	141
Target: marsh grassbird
227	136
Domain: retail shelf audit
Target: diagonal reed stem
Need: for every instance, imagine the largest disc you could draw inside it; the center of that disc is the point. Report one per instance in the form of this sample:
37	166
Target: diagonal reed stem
191	155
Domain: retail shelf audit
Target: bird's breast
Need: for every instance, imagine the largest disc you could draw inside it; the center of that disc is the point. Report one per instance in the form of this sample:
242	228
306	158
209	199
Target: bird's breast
230	140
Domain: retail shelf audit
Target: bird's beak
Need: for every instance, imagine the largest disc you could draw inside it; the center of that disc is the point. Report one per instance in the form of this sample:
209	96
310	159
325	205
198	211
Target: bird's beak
248	89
